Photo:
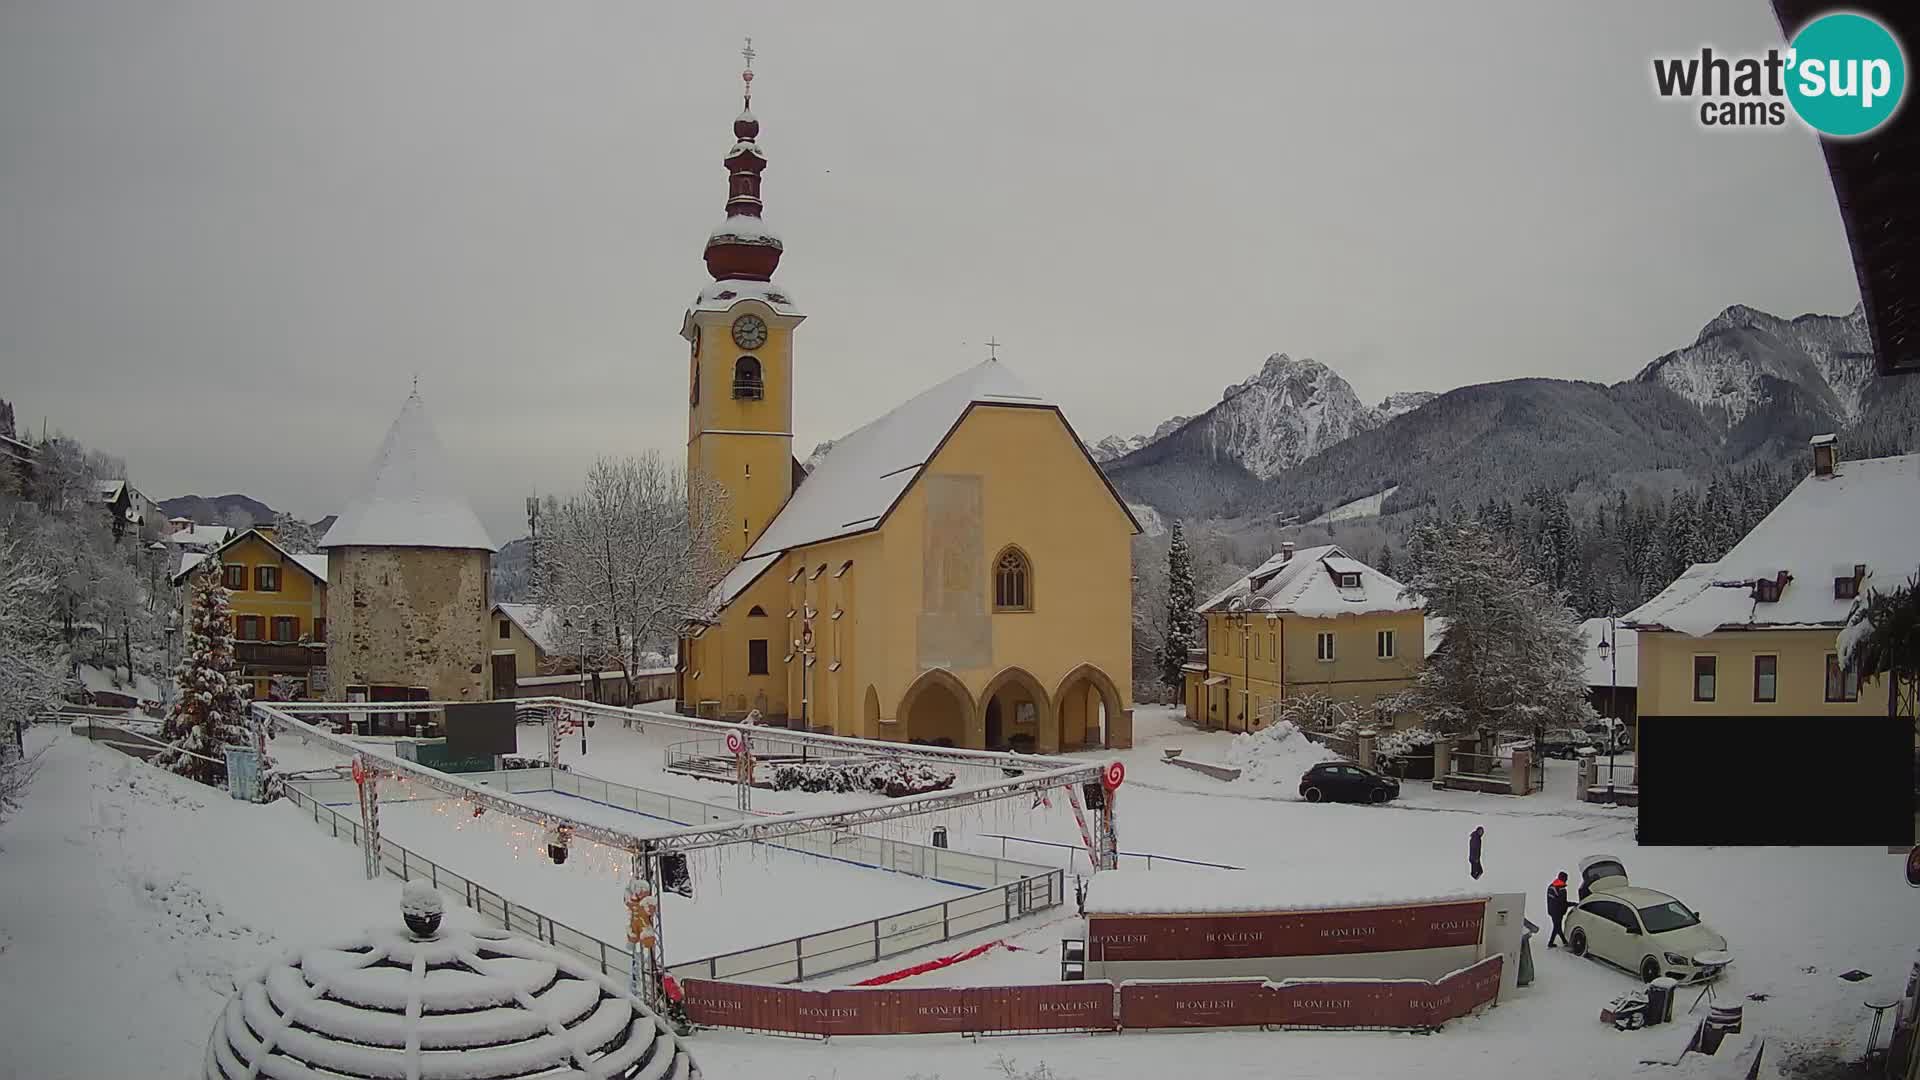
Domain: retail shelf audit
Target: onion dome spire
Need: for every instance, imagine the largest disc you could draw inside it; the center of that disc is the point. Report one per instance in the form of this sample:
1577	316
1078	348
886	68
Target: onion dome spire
743	247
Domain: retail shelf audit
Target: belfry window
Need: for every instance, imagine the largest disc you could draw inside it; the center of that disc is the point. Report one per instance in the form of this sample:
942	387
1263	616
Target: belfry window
1012	581
747	382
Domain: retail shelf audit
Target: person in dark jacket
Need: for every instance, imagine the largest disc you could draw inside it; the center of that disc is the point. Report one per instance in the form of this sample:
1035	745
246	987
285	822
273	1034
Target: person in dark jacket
1557	907
1473	852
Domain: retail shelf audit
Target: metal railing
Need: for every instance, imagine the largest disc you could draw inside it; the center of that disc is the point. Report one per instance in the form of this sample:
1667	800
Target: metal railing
1005	889
1147	855
813	956
408	865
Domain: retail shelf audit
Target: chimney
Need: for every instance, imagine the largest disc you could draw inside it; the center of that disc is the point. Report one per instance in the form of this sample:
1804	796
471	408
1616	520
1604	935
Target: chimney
1826	454
1286	548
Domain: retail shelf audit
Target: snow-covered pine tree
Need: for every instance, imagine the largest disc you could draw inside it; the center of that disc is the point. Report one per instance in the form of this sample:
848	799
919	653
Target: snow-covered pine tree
1512	658
209	711
294	535
1180	604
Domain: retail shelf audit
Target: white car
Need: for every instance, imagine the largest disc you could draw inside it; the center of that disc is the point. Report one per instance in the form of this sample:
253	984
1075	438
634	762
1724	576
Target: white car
1646	932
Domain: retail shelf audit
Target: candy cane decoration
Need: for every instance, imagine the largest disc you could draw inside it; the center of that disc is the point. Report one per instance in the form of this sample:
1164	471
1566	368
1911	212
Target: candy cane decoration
1080	819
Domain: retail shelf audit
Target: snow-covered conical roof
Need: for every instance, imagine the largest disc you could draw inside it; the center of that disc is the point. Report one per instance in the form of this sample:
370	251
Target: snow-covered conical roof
466	1004
409	498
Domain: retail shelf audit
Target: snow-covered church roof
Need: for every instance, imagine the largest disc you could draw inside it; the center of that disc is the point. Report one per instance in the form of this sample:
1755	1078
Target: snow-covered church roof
1866	514
855	486
1307	582
408	497
472	1004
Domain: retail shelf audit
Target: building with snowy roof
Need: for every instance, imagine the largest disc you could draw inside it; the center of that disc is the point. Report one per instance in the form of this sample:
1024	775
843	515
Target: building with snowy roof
1757	632
534	654
407	568
1313	620
278	599
956	572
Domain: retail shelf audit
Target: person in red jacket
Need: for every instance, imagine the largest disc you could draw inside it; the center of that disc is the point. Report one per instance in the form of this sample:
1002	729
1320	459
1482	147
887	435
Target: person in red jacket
1557	907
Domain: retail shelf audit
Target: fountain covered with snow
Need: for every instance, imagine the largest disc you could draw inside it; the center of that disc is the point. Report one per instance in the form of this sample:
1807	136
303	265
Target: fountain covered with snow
449	1004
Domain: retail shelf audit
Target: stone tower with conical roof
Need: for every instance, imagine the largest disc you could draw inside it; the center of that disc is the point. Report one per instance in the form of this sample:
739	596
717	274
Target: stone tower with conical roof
407	568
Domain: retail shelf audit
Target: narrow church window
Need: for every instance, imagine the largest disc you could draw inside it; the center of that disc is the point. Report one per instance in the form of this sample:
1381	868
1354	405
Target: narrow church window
746	379
1012	582
757	656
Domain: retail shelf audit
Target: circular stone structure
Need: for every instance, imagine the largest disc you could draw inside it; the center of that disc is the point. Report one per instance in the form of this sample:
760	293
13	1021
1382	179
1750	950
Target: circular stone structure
455	1005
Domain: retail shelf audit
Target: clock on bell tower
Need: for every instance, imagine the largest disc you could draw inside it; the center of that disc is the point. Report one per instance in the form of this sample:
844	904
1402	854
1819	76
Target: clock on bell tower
739	334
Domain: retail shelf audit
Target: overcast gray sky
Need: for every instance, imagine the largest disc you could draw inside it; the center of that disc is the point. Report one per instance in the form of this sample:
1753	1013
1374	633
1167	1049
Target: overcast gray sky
231	232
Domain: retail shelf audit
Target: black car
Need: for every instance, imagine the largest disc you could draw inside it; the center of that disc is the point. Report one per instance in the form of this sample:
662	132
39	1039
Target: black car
1340	781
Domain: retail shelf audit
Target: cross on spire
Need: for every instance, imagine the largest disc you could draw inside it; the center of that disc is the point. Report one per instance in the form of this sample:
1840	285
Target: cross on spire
993	349
746	76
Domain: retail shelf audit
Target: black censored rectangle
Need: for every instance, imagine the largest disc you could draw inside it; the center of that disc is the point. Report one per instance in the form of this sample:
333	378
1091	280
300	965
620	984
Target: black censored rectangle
1776	781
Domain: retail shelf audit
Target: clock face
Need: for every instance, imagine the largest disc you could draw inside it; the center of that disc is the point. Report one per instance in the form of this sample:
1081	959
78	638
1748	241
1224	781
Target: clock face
749	332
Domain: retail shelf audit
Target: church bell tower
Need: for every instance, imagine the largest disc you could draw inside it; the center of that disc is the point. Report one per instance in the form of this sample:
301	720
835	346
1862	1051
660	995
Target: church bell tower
740	336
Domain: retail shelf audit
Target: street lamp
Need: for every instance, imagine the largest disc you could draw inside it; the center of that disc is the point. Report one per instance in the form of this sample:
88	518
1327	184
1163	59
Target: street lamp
803	647
1610	648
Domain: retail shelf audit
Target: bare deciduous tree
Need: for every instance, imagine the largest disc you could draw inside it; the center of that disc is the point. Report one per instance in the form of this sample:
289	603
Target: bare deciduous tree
624	564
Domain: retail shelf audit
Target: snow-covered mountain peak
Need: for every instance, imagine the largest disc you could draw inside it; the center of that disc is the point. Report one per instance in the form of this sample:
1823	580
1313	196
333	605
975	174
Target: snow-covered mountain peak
1736	365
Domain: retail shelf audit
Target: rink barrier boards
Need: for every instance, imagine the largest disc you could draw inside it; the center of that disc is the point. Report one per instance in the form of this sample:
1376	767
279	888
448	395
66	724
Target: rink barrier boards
1001	890
1371	1004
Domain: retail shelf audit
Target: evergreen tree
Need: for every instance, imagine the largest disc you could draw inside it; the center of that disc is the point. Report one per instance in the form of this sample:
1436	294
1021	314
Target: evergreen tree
1512	658
1180	618
1386	559
210	712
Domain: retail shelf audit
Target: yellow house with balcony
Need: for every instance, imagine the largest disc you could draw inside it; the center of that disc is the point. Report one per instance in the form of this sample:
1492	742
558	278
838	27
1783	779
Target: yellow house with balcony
957	572
279	607
1310	621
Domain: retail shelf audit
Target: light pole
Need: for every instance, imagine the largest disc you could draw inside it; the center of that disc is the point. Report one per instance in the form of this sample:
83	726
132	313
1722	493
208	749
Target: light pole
803	648
1239	607
1611	646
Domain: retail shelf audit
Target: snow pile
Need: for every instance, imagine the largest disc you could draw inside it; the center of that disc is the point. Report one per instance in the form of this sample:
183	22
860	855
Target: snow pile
1277	754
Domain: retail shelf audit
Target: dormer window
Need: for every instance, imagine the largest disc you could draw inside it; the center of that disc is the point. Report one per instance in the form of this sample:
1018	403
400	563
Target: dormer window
1848	588
1349	581
1767	590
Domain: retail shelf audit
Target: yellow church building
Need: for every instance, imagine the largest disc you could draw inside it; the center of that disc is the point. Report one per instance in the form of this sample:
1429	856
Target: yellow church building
957	572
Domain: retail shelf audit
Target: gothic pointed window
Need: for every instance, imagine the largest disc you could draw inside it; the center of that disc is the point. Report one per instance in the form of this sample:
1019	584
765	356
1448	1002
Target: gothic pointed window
746	379
1012	581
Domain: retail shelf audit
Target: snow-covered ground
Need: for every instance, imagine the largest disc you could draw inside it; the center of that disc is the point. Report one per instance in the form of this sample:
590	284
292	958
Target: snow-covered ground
1363	507
129	898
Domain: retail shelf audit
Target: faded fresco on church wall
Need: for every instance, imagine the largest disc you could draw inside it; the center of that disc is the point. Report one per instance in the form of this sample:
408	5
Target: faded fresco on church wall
956	630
